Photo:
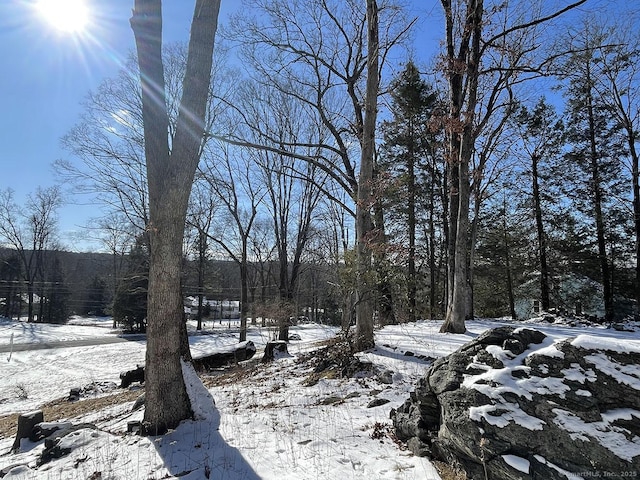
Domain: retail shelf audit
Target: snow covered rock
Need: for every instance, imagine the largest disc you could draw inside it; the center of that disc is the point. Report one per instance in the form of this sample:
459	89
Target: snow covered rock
65	440
514	404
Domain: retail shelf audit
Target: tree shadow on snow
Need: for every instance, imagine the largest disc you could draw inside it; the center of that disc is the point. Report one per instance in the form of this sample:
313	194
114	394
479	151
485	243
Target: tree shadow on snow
196	450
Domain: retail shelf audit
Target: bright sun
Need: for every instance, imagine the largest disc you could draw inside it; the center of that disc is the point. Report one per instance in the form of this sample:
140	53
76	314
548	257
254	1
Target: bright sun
69	16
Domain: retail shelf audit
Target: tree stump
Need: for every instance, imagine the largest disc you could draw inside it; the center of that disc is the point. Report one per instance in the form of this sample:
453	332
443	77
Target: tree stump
26	422
273	349
130	376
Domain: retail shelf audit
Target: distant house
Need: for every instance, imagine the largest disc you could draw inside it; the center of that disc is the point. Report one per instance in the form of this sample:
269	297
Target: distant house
570	294
220	309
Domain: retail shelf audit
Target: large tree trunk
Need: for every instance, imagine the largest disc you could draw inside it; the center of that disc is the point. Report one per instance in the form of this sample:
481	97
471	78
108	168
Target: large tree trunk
169	177
463	91
364	288
458	308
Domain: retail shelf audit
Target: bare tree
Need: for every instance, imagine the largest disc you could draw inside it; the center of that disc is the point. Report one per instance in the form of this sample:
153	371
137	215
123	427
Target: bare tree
108	140
203	207
293	189
30	231
316	53
261	275
117	236
471	40
170	174
231	175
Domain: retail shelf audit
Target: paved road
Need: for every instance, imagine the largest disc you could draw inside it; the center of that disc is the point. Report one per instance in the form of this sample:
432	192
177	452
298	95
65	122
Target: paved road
21	347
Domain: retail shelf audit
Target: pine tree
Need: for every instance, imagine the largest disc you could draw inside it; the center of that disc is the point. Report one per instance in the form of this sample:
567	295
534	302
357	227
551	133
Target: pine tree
96	297
10	275
541	138
57	293
130	302
595	148
408	159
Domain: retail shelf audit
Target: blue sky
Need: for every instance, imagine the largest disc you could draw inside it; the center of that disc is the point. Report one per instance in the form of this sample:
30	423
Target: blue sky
46	74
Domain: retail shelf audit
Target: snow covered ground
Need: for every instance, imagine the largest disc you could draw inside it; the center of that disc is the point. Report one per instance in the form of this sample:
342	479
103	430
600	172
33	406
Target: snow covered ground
273	421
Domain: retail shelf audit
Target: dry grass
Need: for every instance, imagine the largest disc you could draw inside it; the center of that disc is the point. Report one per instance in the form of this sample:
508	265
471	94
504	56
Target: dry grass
448	472
62	409
230	375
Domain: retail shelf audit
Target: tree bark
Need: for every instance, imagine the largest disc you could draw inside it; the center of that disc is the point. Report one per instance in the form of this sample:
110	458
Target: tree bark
170	175
507	263
597	202
244	292
412	287
636	216
364	225
542	244
463	91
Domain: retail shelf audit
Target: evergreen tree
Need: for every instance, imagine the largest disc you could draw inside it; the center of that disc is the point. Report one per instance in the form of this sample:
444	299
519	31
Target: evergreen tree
96	297
130	302
541	135
596	146
57	293
409	162
10	275
502	257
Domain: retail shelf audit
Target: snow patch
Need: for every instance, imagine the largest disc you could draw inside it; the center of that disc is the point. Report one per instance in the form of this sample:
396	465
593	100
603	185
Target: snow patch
504	413
521	464
499	353
626	374
577	374
620	414
583	393
562	471
202	403
615	439
592	342
548	351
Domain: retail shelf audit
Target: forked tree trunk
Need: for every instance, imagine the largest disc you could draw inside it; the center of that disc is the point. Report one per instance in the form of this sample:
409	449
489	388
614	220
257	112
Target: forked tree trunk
463	91
170	176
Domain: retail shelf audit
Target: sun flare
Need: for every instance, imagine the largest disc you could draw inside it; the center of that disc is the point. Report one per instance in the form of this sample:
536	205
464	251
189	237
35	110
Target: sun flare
67	16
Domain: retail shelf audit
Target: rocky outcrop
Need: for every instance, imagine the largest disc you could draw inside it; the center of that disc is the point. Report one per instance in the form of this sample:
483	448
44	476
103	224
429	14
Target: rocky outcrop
514	404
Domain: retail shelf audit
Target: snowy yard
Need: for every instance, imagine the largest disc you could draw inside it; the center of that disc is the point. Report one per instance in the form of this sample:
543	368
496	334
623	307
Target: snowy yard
272	421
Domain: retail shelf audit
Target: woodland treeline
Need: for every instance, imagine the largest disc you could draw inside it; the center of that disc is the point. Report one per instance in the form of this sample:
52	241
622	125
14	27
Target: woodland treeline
506	156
